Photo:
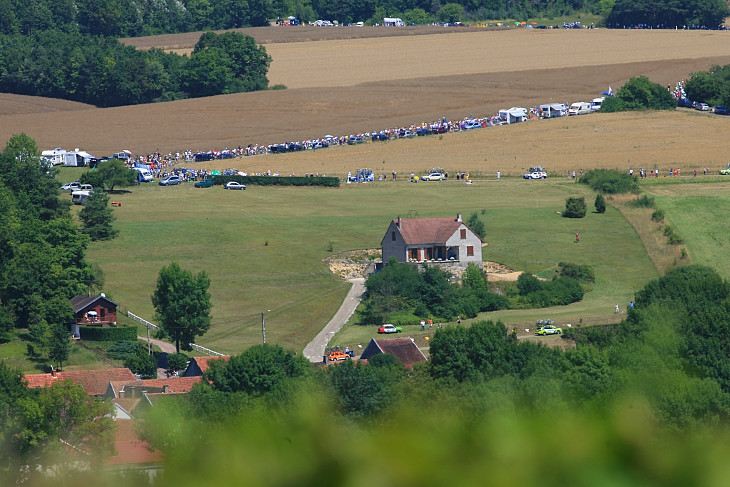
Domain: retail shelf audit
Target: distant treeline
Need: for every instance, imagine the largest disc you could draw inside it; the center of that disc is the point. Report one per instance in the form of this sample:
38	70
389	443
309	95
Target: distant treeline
103	72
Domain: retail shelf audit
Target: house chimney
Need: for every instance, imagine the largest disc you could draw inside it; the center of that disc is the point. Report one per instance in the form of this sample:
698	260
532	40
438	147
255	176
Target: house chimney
399	223
458	217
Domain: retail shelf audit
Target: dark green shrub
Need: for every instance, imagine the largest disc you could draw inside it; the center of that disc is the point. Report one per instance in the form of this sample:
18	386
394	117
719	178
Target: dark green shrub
326	181
94	333
644	201
610	182
583	273
600	204
121	349
575	208
177	361
658	215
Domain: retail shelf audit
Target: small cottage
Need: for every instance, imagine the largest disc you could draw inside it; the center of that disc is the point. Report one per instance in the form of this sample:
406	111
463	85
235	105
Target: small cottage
432	240
93	310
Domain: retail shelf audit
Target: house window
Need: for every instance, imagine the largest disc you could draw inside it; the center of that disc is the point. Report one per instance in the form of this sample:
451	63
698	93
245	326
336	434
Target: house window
463	233
102	313
392	236
470	250
413	254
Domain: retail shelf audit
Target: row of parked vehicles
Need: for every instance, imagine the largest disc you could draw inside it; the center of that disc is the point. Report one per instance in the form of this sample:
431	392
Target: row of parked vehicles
703	107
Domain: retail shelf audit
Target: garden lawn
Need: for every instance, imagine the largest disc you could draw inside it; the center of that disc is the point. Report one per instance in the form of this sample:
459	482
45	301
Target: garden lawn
263	248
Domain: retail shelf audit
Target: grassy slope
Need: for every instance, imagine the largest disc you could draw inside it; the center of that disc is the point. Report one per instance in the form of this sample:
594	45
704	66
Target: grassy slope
225	234
698	213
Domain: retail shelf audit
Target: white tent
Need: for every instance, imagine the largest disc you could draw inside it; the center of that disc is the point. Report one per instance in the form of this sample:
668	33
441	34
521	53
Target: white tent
552	110
77	158
513	115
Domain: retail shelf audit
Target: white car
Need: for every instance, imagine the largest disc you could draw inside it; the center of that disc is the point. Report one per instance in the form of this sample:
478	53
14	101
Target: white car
234	185
434	176
73	186
471	124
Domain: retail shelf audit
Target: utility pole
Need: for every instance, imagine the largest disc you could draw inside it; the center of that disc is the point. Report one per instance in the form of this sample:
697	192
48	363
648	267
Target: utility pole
263	327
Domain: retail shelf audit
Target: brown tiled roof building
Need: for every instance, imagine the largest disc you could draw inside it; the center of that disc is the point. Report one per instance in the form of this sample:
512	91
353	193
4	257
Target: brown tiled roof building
404	349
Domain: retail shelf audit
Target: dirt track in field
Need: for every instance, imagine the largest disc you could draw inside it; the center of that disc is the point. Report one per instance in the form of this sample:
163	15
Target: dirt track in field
342	86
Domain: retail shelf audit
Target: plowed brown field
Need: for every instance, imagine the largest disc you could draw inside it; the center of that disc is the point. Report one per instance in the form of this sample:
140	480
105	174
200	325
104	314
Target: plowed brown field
344	84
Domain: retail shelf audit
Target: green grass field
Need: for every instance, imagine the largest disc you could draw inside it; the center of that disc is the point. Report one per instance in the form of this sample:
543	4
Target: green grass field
263	248
698	213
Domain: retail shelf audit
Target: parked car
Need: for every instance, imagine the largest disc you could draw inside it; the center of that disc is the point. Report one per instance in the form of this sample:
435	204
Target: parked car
380	136
703	107
234	185
549	330
434	176
337	355
721	110
169	180
406	134
205	183
355	140
471	124
726	171
72	186
390	329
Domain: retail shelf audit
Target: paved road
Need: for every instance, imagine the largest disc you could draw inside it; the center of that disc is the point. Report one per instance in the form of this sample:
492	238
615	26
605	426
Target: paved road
314	351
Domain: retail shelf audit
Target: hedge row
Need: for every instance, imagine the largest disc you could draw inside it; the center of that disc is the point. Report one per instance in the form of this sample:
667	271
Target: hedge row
95	333
328	181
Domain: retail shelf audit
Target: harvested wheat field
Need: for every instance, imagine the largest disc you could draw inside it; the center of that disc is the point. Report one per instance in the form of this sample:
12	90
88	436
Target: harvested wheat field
343	86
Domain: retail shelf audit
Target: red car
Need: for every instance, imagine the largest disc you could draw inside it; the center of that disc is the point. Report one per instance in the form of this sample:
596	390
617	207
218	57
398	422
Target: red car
390	329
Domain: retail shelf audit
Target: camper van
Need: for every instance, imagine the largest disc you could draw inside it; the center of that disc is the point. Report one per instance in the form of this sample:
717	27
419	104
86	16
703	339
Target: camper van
596	103
143	175
54	157
579	108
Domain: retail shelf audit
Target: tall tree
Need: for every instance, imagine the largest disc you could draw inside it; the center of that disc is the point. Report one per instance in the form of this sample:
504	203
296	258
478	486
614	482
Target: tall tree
97	217
182	304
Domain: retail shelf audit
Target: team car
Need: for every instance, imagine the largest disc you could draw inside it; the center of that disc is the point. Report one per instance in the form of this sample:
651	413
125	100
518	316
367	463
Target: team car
549	330
390	329
536	172
337	355
726	171
434	176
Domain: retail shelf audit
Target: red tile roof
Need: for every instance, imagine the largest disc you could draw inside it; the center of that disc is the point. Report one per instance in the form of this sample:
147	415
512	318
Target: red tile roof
437	230
131	450
94	382
202	363
404	349
175	385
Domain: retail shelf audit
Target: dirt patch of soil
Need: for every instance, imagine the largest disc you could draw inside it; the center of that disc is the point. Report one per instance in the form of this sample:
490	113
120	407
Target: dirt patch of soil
500	272
353	263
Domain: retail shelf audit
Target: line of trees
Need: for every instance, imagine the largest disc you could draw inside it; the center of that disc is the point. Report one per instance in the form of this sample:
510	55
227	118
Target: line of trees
103	72
133	18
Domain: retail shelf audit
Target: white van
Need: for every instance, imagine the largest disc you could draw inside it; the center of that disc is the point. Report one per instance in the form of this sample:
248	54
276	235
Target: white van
596	103
143	175
579	108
